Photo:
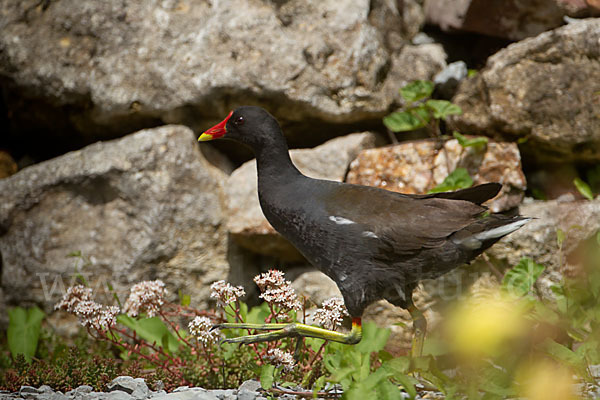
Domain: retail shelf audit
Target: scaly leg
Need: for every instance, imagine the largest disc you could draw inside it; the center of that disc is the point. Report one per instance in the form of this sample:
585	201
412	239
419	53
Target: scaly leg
419	330
280	331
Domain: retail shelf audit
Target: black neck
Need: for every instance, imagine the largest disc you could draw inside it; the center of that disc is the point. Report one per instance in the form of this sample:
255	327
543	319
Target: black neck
273	162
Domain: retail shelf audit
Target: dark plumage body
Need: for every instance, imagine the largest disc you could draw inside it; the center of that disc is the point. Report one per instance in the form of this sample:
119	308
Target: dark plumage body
375	244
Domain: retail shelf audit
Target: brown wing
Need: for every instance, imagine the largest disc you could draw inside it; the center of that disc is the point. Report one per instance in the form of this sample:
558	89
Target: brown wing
404	224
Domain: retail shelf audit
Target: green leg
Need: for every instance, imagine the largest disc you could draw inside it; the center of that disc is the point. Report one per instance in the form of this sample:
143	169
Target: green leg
419	330
280	331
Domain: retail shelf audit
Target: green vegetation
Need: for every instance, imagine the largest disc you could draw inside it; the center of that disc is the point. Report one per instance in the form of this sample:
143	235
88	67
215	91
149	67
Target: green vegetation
497	343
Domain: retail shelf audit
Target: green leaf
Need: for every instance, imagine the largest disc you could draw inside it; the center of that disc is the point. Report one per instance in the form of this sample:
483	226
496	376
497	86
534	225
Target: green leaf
318	385
403	121
386	390
479	141
267	376
443	108
564	354
458	179
24	330
471	72
184	299
398	365
74	254
583	188
560	237
373	340
153	330
520	279
417	90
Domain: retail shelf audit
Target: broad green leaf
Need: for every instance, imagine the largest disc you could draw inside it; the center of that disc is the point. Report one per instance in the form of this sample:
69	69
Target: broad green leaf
583	188
565	355
520	279
417	90
560	237
267	376
374	339
153	330
258	314
24	330
458	179
471	72
386	390
398	365
443	108
464	141
74	254
402	121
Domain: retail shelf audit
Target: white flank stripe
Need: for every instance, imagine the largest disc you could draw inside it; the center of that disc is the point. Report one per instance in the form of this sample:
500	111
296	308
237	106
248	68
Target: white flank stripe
501	230
370	234
341	220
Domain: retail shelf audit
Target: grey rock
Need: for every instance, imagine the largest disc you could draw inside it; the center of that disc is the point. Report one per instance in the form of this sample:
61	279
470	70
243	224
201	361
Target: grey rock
251	385
185	393
147	206
510	19
580	220
317	286
543	89
447	80
246	222
116	395
136	387
85	388
113	67
222	394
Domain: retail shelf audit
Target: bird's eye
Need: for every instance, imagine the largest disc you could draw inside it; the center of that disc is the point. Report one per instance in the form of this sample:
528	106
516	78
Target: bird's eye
239	121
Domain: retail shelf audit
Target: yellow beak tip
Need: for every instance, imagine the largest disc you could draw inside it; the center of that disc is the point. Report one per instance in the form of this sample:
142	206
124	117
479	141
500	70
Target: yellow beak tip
205	137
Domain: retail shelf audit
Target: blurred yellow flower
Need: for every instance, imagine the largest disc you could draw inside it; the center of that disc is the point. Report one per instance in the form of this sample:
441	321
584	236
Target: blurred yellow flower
545	380
482	326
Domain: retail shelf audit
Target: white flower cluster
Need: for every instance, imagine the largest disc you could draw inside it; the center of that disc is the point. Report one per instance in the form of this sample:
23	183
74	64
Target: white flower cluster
332	313
148	296
78	301
225	293
200	328
277	291
281	359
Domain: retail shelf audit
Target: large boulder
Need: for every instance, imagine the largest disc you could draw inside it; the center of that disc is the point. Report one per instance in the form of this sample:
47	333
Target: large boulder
147	206
416	167
509	19
111	67
543	90
245	220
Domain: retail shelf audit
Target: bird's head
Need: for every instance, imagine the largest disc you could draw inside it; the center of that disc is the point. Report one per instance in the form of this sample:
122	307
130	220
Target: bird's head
250	125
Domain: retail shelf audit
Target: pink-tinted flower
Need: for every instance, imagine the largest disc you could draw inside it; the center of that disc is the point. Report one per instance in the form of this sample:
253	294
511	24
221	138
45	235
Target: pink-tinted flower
277	291
200	328
332	313
225	293
73	296
147	296
281	358
78	301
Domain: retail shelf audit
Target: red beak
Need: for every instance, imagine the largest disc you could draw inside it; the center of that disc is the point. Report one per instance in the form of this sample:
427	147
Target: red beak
217	131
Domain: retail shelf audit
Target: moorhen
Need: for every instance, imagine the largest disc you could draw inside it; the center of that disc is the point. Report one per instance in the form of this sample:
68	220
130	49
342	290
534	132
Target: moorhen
375	244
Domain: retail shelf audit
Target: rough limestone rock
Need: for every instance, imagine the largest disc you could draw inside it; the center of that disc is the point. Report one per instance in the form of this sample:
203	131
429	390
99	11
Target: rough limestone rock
417	167
147	206
246	222
509	19
537	240
111	67
543	89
